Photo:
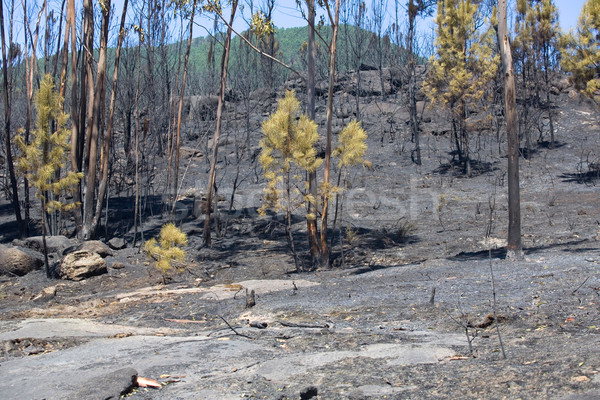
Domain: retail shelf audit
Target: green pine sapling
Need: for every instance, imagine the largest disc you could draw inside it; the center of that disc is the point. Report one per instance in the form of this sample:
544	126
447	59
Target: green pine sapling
167	250
43	159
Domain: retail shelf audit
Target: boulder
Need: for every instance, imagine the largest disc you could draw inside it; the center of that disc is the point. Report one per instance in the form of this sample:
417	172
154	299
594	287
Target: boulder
47	293
190	152
81	264
117	265
96	246
14	261
55	244
200	207
117	243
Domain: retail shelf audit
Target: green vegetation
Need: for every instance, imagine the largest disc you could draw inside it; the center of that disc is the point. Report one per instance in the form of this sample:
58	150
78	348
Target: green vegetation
43	159
289	153
167	250
464	67
581	51
536	59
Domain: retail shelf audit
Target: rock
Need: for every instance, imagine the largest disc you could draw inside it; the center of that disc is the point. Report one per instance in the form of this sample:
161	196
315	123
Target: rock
55	244
250	298
309	392
593	395
96	246
573	94
81	264
47	293
259	325
199	208
117	265
117	243
189	152
111	386
14	261
222	142
202	108
33	349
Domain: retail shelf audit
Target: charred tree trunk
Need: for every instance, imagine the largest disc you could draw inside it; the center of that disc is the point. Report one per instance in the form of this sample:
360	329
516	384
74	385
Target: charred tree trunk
514	250
311	223
413	11
215	148
109	129
180	107
9	159
327	163
97	114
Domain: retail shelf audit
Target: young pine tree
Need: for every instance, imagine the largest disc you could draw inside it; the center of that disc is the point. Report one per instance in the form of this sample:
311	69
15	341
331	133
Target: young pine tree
43	159
581	51
349	152
167	250
288	153
463	68
536	53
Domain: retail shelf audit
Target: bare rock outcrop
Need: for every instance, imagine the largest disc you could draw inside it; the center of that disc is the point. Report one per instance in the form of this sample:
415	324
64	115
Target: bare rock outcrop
81	264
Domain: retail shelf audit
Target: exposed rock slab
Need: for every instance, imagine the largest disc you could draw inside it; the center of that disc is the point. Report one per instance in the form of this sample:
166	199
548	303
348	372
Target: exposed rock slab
109	386
44	328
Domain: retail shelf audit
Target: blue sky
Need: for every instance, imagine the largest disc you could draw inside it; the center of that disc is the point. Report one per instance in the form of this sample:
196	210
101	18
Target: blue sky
287	15
569	11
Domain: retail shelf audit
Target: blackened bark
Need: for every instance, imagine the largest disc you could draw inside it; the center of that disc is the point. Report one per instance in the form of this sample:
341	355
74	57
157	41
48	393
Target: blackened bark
514	248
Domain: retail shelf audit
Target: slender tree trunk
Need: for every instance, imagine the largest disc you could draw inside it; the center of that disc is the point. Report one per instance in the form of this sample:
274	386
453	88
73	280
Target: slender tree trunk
44	244
136	211
65	54
172	131
7	108
547	88
327	161
76	147
514	250
31	71
311	223
180	108
109	128
82	123
215	148
412	81
96	128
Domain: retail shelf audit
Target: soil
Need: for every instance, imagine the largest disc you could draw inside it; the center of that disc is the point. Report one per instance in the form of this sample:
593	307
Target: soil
422	303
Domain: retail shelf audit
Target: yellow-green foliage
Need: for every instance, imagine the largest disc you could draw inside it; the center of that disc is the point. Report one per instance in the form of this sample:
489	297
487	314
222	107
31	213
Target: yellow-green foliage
581	51
167	250
288	150
537	32
47	153
465	62
351	146
260	25
288	153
